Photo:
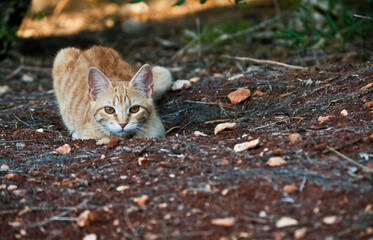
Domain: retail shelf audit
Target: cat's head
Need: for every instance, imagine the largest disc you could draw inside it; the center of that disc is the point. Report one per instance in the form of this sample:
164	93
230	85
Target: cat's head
121	108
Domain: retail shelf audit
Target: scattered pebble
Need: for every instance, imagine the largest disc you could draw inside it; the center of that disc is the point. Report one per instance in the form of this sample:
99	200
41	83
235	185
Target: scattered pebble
295	138
368	104
330	220
344	113
40	130
223	126
276	161
65	149
27	77
86	218
91	236
12	176
239	95
246	145
4	167
3	89
300	233
181	85
194	79
122	188
199	134
141	200
116	222
226	222
12	187
141	161
224	192
19	192
286	222
277	152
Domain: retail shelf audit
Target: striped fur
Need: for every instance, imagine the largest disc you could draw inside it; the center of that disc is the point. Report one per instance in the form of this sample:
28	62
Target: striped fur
85	116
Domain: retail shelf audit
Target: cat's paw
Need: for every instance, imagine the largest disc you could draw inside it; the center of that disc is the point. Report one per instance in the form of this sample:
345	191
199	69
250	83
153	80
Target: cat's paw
103	141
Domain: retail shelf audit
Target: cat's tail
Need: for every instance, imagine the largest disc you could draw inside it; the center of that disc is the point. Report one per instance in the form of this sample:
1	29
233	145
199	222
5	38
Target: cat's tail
162	81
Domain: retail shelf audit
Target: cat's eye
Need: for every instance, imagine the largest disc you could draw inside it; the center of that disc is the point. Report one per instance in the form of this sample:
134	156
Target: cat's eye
109	110
134	109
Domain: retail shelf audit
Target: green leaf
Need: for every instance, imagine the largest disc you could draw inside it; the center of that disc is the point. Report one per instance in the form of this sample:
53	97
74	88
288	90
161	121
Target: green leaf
331	23
179	3
203	1
135	1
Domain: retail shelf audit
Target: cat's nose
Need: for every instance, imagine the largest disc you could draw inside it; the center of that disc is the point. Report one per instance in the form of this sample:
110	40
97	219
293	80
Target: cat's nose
122	125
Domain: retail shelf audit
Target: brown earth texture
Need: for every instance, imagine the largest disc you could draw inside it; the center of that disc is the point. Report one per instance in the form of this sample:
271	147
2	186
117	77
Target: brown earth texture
308	177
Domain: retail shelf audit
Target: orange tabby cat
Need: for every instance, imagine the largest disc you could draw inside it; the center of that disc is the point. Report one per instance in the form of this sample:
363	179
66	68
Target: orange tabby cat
100	95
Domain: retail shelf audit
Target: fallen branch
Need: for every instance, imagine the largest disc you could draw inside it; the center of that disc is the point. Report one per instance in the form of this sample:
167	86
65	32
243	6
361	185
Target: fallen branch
365	168
363	17
270	62
58	216
225	37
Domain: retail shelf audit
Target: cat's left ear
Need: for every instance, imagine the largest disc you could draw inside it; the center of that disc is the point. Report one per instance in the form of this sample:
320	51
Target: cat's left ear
143	80
97	83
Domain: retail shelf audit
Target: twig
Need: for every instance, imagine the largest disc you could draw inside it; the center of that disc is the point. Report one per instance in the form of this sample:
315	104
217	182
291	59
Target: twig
265	62
365	168
182	50
243	32
16	71
302	184
11	170
363	17
58	216
176	127
22	121
129	224
23	140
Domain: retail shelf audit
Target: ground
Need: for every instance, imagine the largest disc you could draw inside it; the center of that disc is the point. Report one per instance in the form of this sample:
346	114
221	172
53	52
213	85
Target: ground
317	121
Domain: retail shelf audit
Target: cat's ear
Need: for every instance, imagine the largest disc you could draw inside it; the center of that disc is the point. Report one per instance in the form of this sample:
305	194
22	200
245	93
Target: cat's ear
143	80
97	83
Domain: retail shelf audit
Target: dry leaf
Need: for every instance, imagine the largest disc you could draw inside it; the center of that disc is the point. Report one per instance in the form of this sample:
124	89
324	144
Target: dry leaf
290	188
295	138
226	222
199	134
323	119
366	87
246	145
239	95
276	161
286	221
19	192
223	126
85	218
181	85
141	200
344	113
65	149
368	104
141	161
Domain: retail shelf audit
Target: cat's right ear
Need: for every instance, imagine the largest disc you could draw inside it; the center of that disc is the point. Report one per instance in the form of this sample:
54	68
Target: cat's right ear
97	83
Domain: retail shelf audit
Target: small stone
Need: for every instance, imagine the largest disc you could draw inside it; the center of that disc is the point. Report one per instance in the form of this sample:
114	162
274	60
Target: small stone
27	78
286	222
141	200
65	149
4	167
226	222
330	220
116	222
366	87
122	188
19	192
295	138
246	145
276	161
239	95
181	85
12	187
277	152
84	218
141	161
344	113
224	192
40	130
194	79
300	233
91	236
3	89
223	126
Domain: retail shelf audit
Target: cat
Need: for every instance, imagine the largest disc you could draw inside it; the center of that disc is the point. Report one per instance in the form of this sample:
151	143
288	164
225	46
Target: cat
100	95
